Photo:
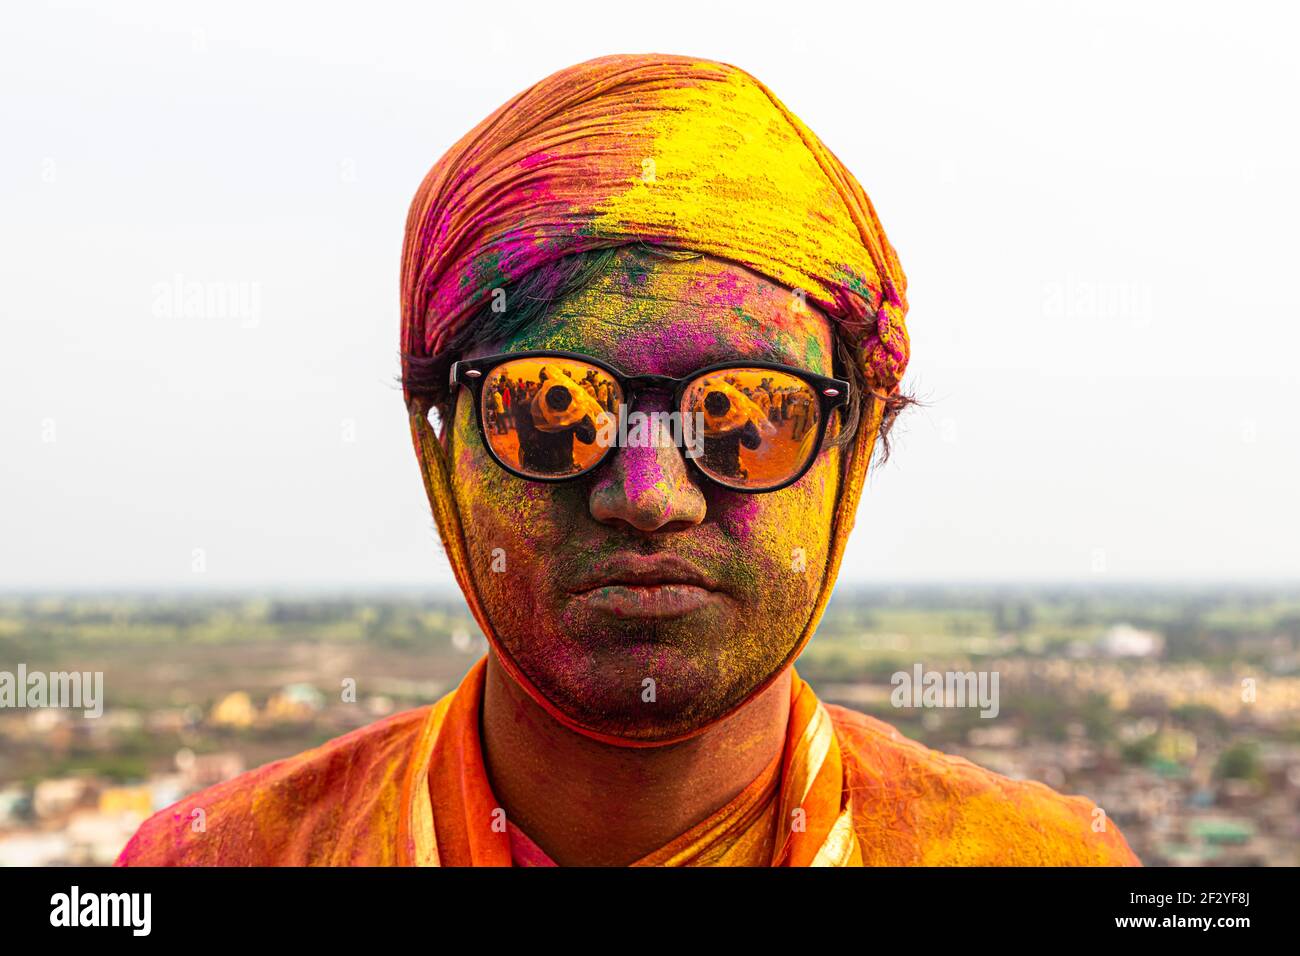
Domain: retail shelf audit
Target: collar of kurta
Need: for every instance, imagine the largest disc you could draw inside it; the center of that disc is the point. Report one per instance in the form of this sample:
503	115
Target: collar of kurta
449	816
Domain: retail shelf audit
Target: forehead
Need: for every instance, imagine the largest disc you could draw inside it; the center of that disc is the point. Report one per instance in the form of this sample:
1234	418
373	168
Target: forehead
649	315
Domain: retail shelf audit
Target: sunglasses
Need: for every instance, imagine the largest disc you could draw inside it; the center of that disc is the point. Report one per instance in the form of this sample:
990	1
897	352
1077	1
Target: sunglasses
555	416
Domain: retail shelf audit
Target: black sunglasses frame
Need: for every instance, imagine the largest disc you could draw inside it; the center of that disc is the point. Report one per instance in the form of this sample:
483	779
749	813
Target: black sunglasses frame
832	393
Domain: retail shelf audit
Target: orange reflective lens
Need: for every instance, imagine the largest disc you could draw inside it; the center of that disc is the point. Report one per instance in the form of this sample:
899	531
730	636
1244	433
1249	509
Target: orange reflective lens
760	425
551	416
542	415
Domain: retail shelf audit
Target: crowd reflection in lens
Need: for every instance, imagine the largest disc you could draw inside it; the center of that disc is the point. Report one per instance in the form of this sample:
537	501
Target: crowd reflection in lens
543	418
758	424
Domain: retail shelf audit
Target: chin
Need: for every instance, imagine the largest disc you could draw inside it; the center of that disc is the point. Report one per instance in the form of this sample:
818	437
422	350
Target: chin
635	725
609	693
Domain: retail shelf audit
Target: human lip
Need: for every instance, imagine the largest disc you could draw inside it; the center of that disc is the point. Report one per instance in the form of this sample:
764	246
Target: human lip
647	587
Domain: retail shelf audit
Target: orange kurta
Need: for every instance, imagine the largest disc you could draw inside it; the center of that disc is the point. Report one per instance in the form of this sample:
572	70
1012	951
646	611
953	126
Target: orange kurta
411	790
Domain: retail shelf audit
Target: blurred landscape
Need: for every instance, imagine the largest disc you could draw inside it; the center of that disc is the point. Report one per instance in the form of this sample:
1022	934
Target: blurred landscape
1176	710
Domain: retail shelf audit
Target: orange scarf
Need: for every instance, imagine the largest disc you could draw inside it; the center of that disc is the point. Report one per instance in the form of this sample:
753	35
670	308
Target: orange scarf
796	813
412	790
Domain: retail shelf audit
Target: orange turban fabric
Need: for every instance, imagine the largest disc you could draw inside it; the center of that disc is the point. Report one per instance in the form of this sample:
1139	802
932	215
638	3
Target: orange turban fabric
649	149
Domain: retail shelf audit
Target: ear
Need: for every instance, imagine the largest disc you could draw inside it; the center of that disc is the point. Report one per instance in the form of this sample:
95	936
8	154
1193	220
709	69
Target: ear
438	416
432	428
441	419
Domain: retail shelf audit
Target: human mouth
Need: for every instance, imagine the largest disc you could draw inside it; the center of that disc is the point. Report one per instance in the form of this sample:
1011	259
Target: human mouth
636	586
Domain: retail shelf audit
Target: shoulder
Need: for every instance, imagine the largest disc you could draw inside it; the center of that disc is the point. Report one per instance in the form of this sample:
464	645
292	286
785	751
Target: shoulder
914	806
309	809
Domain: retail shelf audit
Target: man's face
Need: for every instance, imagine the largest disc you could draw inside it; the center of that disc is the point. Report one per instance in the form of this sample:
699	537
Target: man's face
705	591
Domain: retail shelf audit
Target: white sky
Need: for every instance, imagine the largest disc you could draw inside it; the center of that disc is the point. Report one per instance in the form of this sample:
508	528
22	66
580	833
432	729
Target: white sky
1096	205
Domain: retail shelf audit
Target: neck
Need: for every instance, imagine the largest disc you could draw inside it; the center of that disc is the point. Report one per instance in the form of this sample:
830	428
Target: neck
588	803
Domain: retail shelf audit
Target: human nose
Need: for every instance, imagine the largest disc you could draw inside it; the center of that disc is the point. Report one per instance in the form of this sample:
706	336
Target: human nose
647	485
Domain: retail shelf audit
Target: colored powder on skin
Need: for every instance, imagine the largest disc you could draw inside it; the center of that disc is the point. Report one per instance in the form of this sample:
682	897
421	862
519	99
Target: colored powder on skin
739	519
644	474
656	317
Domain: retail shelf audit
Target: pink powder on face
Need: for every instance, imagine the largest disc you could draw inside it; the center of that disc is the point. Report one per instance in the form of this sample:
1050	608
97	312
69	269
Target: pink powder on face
466	462
668	350
643	471
723	291
738	515
683	346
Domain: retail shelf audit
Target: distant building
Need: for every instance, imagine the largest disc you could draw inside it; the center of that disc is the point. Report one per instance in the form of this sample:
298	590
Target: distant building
296	703
54	797
234	710
1124	640
173	720
96	838
133	800
166	789
1006	735
14	804
204	770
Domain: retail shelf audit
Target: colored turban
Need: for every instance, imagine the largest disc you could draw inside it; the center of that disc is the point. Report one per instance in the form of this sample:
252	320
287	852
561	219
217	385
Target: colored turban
662	150
667	151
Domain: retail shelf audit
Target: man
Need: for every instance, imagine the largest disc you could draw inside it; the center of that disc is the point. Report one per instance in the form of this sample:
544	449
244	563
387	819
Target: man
560	413
730	421
653	221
